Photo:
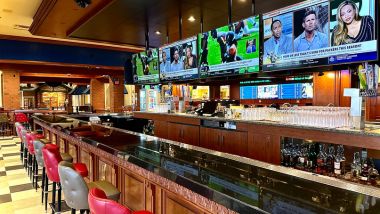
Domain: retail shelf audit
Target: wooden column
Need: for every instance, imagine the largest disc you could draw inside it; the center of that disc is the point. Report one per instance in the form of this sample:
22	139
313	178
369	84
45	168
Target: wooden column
116	93
97	95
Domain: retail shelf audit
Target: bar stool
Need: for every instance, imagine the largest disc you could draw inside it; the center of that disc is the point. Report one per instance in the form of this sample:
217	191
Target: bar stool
52	158
32	163
75	188
23	119
99	204
38	145
20	127
25	147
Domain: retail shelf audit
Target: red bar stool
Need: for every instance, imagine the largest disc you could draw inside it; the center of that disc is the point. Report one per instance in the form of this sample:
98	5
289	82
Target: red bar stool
23	119
52	157
99	204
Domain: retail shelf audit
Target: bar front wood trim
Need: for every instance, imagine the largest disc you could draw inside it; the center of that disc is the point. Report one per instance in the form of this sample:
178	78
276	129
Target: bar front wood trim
201	203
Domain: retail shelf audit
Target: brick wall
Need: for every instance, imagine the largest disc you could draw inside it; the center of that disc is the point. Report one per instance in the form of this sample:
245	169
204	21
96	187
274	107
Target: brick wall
97	95
11	90
117	94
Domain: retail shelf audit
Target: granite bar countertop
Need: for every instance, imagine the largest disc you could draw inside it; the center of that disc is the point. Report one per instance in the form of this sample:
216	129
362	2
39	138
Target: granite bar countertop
369	130
240	184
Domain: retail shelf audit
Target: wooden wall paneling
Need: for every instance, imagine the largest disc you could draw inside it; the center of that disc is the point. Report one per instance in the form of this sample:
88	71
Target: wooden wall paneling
372	110
62	145
234	142
85	157
107	171
150	196
47	134
173	204
235	91
190	134
73	151
53	138
161	129
325	90
210	138
345	82
133	191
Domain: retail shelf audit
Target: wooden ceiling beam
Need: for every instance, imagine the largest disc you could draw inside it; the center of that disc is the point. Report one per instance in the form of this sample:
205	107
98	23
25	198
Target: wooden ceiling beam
60	68
24	79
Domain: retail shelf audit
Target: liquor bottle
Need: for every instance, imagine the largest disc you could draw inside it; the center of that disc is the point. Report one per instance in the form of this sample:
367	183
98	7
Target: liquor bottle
365	169
356	166
321	160
283	153
311	158
286	155
339	163
302	158
330	160
373	173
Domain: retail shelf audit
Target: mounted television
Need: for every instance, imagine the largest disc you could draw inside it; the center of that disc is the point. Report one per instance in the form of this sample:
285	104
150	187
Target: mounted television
280	91
230	50
320	32
267	91
178	61
145	67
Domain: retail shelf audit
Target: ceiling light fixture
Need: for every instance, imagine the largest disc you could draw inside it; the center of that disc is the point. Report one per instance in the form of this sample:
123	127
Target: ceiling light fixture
158	32
191	19
83	3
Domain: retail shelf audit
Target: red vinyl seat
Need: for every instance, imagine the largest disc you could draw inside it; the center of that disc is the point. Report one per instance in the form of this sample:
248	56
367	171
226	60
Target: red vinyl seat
81	168
21	118
99	204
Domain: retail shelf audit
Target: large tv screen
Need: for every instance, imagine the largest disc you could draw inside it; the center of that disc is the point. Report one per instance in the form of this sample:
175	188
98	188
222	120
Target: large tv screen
320	32
145	67
178	61
229	50
280	91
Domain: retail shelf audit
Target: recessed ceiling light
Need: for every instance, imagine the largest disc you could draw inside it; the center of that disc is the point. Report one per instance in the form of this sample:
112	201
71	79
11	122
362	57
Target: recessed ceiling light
242	0
191	19
158	32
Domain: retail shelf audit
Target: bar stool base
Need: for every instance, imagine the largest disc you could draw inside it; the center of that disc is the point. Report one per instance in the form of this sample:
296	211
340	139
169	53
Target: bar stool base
64	207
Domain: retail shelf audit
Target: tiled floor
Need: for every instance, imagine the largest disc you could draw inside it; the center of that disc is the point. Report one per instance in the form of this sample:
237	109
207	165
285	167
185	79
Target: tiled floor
17	194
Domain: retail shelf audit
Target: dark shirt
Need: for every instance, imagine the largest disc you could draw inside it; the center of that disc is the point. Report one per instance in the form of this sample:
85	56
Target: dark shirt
366	32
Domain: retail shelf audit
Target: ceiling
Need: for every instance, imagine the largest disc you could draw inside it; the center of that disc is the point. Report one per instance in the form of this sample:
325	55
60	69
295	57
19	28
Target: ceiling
114	24
124	21
17	16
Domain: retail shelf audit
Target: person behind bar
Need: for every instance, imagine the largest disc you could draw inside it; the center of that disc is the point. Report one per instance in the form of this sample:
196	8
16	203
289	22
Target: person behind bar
351	27
278	44
311	38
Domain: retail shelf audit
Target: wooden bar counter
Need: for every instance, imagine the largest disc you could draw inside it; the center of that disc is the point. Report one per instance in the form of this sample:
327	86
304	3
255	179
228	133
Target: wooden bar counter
259	140
165	176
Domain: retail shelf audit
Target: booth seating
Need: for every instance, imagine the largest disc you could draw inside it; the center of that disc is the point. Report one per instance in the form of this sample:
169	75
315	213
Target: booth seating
100	204
75	188
52	157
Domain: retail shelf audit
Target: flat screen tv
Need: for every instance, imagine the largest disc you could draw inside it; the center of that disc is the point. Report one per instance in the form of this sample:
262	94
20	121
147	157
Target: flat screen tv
318	33
145	67
230	50
280	91
178	61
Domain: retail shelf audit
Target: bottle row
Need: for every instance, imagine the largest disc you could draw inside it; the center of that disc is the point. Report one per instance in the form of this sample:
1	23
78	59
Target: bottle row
330	160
